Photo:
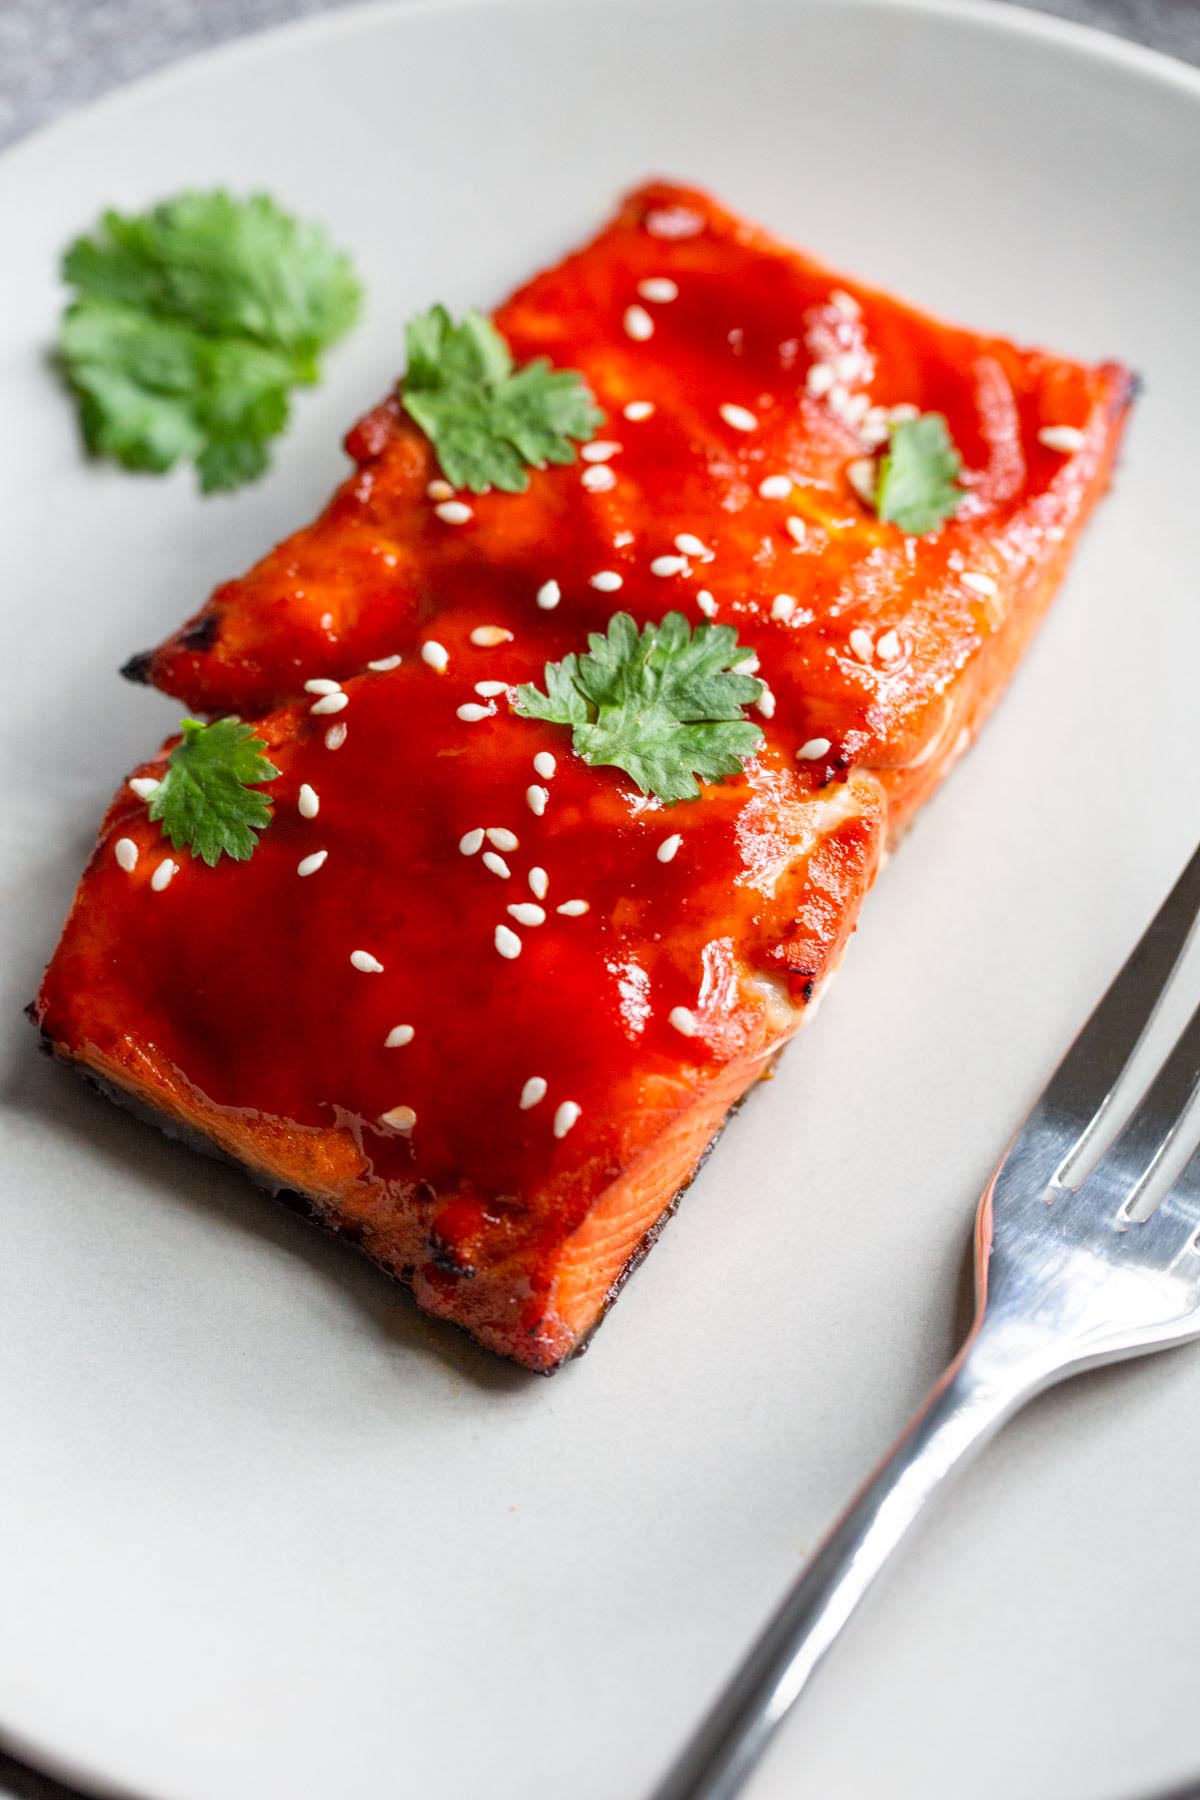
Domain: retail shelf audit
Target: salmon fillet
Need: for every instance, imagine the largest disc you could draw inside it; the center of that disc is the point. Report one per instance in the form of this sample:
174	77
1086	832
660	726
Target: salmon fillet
496	1064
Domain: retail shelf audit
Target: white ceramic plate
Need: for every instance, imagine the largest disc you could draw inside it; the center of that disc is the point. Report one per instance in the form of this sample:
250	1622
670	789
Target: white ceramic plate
267	1534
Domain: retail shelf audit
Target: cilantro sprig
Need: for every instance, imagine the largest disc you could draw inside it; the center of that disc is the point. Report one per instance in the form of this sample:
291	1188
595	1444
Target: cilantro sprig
208	800
917	483
665	705
191	324
488	421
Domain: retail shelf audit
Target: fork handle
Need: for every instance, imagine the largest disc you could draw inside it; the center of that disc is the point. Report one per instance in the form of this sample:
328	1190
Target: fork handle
966	1407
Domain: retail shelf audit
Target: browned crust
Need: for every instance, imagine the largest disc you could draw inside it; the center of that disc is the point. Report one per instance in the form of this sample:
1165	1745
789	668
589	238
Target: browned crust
316	1213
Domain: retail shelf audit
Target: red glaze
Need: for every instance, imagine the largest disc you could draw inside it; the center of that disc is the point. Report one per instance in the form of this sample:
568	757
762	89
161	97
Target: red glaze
228	998
750	319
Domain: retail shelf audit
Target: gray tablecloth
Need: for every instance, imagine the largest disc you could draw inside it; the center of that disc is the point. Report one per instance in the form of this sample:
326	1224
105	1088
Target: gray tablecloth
55	54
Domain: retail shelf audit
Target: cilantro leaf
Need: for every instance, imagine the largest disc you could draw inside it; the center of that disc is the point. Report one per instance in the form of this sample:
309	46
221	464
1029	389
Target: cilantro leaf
665	705
488	422
917	487
190	326
207	800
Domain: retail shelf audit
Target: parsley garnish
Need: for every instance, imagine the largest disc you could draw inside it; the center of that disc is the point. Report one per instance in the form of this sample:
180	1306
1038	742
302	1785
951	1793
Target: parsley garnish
665	705
207	800
917	487
486	420
192	323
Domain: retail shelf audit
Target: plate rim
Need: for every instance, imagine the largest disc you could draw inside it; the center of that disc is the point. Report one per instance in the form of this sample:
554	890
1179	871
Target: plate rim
1014	19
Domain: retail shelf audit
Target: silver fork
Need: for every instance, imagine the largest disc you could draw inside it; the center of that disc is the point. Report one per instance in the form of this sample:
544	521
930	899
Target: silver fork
1065	1279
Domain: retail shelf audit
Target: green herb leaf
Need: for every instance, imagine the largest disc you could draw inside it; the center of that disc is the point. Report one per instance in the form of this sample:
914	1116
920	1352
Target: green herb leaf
207	800
192	323
917	487
488	422
665	705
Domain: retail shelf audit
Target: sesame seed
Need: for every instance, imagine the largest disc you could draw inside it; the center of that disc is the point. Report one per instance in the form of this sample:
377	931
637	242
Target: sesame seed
981	584
1061	437
861	475
748	664
599	450
365	963
335	737
533	1091
766	702
658	289
607	581
537	799
597	478
706	603
165	872
144	785
490	689
573	909
321	685
453	512
856	409
326	621
814	748
502	837
308	865
496	864
668	565
783	606
848	365
471	841
126	853
398	1036
796	529
666	850
526	913
820	379
739	417
539	883
691	545
549	595
902	412
487	636
673	222
845	303
382	664
775	487
862	644
440	490
566	1116
400	1118
330	703
888	648
875	429
544	764
436	655
507	942
683	1020
637	410
638	324
471	712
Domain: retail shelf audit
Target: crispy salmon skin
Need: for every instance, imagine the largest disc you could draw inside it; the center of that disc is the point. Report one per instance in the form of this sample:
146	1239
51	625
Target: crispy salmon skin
491	1031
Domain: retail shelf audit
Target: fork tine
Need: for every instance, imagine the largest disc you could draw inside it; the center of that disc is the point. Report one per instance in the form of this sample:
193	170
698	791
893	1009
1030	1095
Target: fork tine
1175	1221
1079	1091
1131	1158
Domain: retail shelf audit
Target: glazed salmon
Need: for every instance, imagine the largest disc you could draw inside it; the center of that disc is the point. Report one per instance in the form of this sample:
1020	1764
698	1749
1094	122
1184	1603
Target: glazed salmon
491	1032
